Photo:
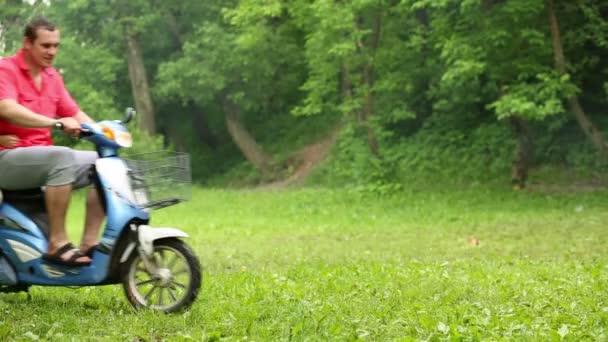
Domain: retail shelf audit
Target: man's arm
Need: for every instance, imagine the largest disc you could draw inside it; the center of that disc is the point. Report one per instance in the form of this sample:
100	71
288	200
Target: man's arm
18	115
13	112
82	117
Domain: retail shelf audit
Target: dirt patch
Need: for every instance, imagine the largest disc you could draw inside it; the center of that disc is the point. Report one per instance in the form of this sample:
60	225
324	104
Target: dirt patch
303	161
579	187
570	183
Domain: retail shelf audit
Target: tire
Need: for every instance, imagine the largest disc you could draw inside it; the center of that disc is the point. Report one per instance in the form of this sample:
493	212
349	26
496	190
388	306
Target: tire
178	279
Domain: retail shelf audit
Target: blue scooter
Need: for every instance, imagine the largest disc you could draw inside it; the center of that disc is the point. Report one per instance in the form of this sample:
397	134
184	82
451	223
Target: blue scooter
157	269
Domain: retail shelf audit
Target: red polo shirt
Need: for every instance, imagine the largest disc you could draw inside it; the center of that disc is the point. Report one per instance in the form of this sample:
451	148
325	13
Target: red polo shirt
52	100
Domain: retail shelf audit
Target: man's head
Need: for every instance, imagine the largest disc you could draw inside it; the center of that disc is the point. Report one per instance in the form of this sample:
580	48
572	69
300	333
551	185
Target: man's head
40	42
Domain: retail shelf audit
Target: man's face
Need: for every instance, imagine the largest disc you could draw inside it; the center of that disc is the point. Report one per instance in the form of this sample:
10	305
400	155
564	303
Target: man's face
44	49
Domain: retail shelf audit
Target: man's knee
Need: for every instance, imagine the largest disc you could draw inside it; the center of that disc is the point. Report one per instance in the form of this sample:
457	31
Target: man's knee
84	164
61	153
62	166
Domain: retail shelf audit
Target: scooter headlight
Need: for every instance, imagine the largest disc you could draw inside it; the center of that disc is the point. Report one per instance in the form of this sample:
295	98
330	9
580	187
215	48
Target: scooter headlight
108	132
123	139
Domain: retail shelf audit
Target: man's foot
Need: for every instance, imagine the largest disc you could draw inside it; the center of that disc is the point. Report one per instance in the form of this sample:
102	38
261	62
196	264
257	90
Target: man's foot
88	251
68	255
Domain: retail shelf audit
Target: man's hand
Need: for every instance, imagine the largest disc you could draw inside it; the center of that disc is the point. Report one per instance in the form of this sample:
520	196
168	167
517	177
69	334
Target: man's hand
70	126
8	140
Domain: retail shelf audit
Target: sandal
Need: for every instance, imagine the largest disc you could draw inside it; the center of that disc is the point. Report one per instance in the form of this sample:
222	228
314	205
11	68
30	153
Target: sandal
89	252
55	258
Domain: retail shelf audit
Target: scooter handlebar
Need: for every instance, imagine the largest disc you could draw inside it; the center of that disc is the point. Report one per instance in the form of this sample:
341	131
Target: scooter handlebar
84	131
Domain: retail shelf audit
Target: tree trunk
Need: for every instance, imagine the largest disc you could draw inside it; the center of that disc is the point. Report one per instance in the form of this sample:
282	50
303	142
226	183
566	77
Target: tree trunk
139	84
10	22
367	111
246	143
346	85
590	130
523	157
2	40
176	138
175	29
201	129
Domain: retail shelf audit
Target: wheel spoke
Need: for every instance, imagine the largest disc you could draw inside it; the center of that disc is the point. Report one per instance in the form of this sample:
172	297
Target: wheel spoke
145	282
160	296
173	261
149	294
173	282
172	294
182	271
161	254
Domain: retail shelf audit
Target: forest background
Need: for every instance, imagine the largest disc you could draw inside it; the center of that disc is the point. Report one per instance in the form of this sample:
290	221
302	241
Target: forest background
369	93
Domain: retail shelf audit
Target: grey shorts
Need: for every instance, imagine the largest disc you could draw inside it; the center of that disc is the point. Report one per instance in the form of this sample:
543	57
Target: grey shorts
37	166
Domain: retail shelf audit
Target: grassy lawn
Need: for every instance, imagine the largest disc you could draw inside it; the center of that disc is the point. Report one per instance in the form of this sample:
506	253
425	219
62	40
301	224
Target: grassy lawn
318	264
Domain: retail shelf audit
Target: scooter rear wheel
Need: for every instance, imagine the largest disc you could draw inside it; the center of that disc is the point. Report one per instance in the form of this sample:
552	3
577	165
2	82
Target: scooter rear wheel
172	287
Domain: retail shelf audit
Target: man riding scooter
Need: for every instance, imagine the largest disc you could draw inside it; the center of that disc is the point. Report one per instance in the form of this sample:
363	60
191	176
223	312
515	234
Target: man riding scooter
34	100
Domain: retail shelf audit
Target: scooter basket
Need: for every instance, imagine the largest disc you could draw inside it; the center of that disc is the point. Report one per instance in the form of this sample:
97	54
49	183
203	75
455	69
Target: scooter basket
160	179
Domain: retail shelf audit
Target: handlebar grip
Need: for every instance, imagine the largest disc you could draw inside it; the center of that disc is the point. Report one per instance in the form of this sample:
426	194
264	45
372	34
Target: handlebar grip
86	132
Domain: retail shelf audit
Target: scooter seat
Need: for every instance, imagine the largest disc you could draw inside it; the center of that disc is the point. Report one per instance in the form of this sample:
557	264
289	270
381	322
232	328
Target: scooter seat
21	195
29	202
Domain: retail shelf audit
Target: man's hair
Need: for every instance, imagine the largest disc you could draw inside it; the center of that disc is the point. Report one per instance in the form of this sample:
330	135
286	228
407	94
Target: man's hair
32	27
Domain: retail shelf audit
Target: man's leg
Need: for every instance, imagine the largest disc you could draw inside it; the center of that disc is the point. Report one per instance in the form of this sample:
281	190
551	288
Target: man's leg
57	199
33	167
93	221
95	213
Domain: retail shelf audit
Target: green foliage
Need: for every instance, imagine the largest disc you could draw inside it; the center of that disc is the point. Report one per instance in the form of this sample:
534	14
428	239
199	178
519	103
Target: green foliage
256	67
179	79
479	154
537	100
433	81
352	162
143	142
13	16
93	87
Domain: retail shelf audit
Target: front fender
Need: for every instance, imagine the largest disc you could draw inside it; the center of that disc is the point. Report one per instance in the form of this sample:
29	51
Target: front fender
146	236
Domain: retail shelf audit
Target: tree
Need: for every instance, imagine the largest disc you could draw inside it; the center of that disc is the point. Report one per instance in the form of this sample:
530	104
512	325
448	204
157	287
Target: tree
244	68
467	82
14	14
119	25
588	127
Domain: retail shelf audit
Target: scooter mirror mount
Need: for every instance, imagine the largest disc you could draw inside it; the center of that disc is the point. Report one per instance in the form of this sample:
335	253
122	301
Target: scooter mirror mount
129	115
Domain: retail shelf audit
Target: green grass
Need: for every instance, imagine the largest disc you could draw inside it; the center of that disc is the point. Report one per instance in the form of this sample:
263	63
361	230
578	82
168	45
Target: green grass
318	264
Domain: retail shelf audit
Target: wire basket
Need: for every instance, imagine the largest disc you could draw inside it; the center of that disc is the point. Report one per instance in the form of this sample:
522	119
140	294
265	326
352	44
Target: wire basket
160	179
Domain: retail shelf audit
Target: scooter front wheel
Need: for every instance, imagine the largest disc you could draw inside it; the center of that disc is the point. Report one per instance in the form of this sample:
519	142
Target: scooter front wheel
170	284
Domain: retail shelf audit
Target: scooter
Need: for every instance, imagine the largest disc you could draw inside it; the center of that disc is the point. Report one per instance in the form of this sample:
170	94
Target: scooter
157	270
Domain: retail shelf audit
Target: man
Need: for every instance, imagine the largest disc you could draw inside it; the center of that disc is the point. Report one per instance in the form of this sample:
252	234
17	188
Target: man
33	100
